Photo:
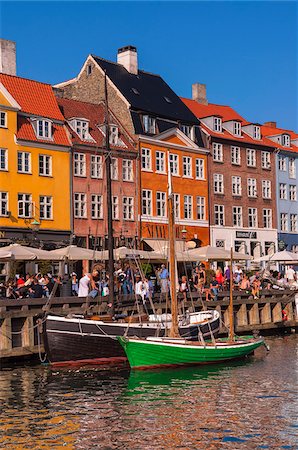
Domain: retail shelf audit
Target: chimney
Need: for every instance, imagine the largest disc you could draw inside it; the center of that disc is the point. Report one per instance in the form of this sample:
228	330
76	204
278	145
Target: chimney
270	124
128	58
8	57
199	93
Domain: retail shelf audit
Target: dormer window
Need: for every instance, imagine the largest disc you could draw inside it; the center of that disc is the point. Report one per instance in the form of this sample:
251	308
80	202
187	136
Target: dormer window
237	128
187	130
286	140
82	128
113	134
217	124
149	124
256	132
42	128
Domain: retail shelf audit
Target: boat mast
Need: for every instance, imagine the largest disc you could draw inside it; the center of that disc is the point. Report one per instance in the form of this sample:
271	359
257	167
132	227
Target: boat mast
231	308
174	331
108	164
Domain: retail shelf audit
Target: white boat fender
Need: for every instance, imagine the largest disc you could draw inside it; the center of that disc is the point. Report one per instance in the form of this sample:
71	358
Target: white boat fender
267	347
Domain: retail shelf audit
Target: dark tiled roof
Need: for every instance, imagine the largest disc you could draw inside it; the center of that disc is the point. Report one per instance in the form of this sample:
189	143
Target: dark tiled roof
147	92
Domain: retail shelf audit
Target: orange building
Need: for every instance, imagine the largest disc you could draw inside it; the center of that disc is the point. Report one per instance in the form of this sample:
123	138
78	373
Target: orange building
173	150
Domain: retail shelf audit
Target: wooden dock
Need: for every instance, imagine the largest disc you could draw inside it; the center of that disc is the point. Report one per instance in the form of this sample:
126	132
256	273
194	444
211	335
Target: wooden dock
274	312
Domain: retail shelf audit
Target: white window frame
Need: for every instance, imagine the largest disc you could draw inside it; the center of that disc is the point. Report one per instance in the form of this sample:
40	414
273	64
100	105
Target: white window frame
96	206
82	128
128	208
292	168
46	207
251	160
219	215
217	124
3	159
177	205
284	221
217	152
146	159
3	119
236	186
24	162
79	164
80	205
200	169
267	218
257	132
114	169
4	204
149	124
218	183
293	223
235	155
160	161
237	216
187	209
187	130
25	202
127	170
286	140
252	218
293	192
96	167
115	207
146	202
114	135
45	165
174	164
161	204
266	160
282	163
43	129
187	166
201	208
236	128
252	187
283	191
266	189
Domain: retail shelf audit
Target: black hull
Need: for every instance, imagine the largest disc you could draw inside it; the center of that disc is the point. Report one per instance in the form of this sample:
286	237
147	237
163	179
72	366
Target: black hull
70	340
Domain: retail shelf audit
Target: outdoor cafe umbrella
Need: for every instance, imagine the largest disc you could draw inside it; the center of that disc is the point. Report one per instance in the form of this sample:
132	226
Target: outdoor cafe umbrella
4	255
131	253
74	253
283	256
208	253
22	253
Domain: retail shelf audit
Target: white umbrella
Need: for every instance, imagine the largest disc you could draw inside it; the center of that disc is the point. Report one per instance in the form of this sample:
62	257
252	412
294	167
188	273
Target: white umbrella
208	252
74	253
131	253
22	253
280	256
4	255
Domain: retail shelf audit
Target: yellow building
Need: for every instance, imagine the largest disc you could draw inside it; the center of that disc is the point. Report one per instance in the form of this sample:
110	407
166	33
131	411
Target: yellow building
35	178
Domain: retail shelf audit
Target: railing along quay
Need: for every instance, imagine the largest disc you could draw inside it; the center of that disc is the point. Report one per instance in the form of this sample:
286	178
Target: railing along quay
274	311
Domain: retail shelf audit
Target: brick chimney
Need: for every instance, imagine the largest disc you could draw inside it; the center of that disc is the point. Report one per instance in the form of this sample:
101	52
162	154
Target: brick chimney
270	124
8	57
128	57
199	93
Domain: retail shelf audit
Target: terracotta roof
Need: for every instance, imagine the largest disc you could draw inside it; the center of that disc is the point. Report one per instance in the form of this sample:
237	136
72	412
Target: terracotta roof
96	116
35	98
273	131
26	132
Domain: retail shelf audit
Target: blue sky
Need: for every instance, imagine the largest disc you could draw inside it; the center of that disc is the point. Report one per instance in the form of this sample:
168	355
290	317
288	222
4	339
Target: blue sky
246	52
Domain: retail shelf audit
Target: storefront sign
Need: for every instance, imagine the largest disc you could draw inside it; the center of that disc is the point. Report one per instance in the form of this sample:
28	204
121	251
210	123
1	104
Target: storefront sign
246	234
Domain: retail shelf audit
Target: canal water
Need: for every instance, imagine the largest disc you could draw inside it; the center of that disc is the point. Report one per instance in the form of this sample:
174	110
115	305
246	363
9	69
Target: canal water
244	405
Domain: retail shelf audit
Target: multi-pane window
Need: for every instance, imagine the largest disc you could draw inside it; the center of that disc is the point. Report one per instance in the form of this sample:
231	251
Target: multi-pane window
3	203
236	185
256	132
219	214
186	129
25	206
237	216
128	212
114	169
284	222
3	119
282	163
200	169
96	206
149	124
293	192
266	188
161	204
266	163
252	217
24	162
3	159
146	202
45	165
187	206
146	159
293	222
286	140
114	134
292	168
79	167
237	128
217	124
251	157
217	152
267	218
160	161
115	207
96	166
174	164
218	183
177	206
46	207
80	205
251	187
127	170
235	155
283	191
82	128
44	129
187	169
201	210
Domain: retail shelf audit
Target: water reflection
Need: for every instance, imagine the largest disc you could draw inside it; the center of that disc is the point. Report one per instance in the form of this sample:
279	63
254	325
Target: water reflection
245	405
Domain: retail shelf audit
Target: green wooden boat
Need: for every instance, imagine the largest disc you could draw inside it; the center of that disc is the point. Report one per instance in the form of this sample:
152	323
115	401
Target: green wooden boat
166	352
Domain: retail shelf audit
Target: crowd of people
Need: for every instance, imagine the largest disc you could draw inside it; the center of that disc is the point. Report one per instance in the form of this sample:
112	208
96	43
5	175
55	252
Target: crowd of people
32	286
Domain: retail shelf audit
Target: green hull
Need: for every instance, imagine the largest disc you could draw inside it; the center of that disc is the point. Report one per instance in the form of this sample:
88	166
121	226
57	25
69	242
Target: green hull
142	353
